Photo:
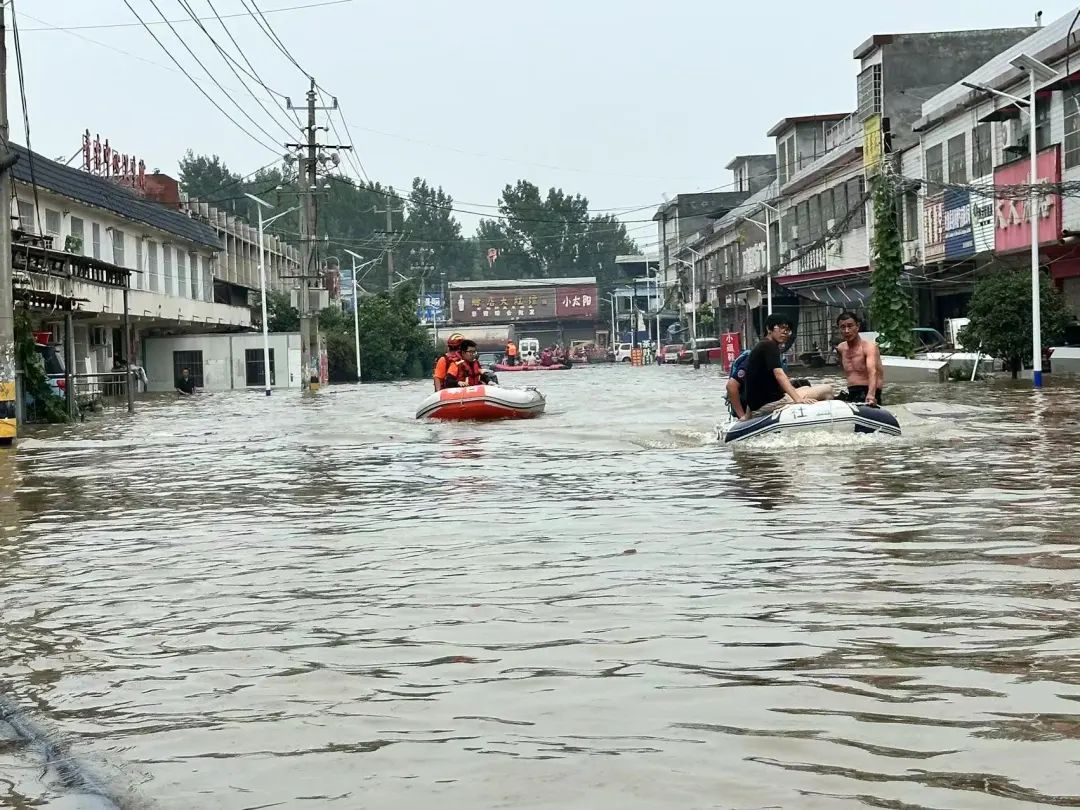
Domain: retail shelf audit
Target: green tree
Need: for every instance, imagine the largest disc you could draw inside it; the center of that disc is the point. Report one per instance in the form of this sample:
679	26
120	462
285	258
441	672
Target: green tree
552	236
207	177
433	243
1000	313
891	309
281	315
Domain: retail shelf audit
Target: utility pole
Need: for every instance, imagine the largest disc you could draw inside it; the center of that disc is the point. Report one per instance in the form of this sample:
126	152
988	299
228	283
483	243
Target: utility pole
308	179
8	424
389	211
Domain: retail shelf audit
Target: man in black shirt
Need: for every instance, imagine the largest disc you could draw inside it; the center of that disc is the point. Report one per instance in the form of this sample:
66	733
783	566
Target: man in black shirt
767	384
185	384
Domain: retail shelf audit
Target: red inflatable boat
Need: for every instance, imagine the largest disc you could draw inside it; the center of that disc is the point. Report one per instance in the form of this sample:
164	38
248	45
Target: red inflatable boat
482	402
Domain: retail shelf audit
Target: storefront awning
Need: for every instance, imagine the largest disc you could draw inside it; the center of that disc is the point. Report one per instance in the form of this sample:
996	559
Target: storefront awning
841	288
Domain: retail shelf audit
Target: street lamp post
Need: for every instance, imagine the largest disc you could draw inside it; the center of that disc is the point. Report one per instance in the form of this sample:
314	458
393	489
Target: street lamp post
693	294
262	283
356	304
1037	71
614	326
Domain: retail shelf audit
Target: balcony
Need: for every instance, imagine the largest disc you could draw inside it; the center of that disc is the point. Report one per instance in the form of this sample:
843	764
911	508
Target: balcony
842	131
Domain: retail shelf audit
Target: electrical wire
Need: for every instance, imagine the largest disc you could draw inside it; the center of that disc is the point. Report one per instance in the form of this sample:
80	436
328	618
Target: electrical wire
26	117
237	68
136	25
209	98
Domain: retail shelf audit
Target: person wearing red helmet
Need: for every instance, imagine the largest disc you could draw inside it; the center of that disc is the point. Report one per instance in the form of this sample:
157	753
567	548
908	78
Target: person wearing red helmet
452	355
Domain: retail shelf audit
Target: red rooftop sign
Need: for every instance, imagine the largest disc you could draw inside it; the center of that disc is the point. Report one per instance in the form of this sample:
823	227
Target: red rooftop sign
1012	228
105	161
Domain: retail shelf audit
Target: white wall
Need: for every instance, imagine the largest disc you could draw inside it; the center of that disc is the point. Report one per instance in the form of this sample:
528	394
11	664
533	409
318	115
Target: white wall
223	358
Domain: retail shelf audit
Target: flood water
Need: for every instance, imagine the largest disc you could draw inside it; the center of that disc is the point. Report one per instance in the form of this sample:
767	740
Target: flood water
239	602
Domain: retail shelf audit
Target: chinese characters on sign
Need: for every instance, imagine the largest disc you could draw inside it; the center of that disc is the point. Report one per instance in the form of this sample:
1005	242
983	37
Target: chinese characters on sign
959	238
731	348
517	304
873	145
934	216
1012	226
104	161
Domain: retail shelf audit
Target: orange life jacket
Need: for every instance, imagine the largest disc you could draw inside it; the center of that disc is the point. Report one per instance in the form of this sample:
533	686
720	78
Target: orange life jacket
466	372
511	349
442	367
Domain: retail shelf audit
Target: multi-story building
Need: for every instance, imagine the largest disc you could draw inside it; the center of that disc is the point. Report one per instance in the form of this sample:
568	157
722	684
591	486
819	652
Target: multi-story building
972	142
87	244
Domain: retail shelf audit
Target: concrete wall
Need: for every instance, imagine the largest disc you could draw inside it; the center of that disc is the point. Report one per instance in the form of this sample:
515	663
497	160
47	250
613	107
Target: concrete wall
916	67
223	359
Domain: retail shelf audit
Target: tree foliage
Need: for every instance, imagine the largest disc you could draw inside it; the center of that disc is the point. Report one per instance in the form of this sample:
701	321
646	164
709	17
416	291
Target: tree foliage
206	177
44	405
1000	313
281	315
433	244
552	236
891	310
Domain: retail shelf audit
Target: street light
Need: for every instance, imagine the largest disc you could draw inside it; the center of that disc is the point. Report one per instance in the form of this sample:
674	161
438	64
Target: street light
693	294
356	303
262	282
768	249
1037	71
614	309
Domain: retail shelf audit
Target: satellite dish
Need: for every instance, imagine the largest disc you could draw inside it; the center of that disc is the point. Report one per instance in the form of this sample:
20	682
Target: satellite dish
753	298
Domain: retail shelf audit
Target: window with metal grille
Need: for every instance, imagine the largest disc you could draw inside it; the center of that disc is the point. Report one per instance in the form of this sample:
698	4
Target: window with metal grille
957	147
982	156
118	247
935	169
869	89
192	361
253	365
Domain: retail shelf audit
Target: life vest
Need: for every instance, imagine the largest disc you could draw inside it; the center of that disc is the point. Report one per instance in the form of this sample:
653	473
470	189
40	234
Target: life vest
466	372
511	349
442	367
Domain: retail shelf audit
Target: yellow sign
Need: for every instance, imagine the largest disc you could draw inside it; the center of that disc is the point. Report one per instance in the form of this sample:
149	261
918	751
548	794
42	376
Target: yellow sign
637	357
873	145
8	427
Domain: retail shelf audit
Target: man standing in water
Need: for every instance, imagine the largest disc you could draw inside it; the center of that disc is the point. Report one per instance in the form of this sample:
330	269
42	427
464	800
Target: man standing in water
861	360
767	384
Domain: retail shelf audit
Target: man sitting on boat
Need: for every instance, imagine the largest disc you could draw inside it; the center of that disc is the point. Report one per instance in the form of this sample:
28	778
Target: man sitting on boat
767	384
466	369
452	355
861	359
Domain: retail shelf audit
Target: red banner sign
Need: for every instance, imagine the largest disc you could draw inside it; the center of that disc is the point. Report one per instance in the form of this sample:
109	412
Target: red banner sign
576	302
731	346
104	161
1012	226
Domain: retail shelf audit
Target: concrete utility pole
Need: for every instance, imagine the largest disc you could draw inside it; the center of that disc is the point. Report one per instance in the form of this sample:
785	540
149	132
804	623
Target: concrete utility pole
8	425
308	178
389	211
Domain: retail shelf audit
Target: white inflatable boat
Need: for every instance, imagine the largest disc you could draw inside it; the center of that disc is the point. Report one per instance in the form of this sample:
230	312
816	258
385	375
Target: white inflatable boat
832	416
482	402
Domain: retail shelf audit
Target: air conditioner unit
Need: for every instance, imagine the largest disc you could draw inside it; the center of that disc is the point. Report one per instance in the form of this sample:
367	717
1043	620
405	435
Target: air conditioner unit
1010	135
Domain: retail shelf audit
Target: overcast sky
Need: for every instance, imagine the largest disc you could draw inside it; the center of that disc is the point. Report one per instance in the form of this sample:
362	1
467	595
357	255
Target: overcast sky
620	100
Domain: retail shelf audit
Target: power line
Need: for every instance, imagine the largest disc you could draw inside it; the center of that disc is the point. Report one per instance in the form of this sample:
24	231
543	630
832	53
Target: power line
230	62
136	25
261	21
197	85
26	118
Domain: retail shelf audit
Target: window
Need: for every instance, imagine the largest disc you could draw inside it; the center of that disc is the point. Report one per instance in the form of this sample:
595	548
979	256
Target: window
137	279
981	155
814	206
52	226
802	218
118	247
1071	147
869	92
193	263
167	275
840	205
856	203
192	361
958	158
828	213
181	273
96	230
785	159
207	281
253	363
151	266
935	171
74	242
26	217
911	215
1042	123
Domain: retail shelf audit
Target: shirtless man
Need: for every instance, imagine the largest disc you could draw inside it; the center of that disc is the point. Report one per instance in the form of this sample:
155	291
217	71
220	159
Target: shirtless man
861	360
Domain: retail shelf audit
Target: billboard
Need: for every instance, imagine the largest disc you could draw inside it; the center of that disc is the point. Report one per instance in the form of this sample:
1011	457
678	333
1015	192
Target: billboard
1012	226
873	145
576	302
512	304
429	308
982	215
959	238
934	217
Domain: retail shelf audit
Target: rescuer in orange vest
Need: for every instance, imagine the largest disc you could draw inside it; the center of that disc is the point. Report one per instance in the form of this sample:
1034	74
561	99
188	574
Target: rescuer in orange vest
511	353
466	369
452	355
